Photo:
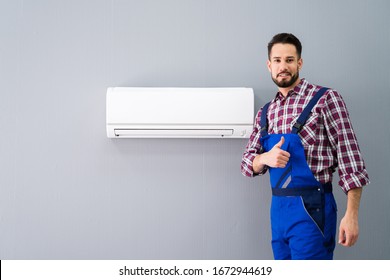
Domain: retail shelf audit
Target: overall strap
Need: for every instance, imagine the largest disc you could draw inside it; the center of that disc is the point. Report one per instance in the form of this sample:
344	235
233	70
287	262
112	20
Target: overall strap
305	113
264	121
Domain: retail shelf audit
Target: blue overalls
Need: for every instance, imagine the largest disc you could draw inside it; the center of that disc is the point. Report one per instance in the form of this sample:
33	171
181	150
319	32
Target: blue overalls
303	211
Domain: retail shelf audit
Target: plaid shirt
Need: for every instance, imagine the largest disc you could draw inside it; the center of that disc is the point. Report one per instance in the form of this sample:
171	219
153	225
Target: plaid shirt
327	137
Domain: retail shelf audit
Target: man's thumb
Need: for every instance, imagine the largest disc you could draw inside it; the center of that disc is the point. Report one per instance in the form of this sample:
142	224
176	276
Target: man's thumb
280	143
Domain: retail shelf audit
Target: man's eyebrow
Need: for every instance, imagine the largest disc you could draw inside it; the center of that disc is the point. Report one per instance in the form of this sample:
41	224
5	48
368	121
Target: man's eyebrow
286	57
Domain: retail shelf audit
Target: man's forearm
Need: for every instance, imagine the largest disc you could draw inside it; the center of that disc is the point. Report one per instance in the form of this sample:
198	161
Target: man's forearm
353	202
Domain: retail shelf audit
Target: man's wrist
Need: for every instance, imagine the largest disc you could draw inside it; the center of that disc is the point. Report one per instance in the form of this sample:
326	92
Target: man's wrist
258	165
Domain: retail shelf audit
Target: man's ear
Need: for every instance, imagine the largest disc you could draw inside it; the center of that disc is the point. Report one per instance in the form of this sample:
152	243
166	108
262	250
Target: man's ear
269	65
300	63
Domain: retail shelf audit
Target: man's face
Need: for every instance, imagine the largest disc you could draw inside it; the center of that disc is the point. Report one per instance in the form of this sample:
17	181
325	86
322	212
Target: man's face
284	65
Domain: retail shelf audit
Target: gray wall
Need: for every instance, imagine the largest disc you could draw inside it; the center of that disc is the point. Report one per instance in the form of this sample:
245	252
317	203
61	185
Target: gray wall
68	192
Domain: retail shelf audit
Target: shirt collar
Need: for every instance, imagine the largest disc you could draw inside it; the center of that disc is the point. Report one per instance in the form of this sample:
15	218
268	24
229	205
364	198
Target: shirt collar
298	89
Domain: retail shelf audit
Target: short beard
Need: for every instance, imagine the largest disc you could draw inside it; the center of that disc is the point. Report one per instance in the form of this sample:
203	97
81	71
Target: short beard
286	84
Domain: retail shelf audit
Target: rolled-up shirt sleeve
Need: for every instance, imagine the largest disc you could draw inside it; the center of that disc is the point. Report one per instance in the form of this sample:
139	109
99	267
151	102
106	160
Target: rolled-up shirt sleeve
253	148
351	166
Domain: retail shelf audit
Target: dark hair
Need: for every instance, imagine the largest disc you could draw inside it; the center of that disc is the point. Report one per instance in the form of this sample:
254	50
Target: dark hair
285	38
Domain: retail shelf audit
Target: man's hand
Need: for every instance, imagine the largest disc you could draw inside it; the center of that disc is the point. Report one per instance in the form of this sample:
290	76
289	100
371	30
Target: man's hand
348	231
349	225
276	157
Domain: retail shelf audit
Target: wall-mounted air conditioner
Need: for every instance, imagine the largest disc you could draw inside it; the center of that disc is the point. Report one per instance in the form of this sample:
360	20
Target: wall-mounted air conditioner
179	112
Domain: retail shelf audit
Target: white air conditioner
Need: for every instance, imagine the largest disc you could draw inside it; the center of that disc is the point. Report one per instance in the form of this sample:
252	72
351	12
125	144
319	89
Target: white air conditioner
179	112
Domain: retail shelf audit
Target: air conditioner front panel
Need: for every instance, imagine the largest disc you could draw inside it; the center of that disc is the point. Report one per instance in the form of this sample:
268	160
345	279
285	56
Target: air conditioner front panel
179	112
179	105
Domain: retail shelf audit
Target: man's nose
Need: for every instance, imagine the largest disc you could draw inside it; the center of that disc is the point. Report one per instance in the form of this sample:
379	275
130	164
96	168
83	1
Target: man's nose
282	66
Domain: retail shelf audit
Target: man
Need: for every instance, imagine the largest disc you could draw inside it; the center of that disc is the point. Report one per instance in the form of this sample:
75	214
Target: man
302	148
